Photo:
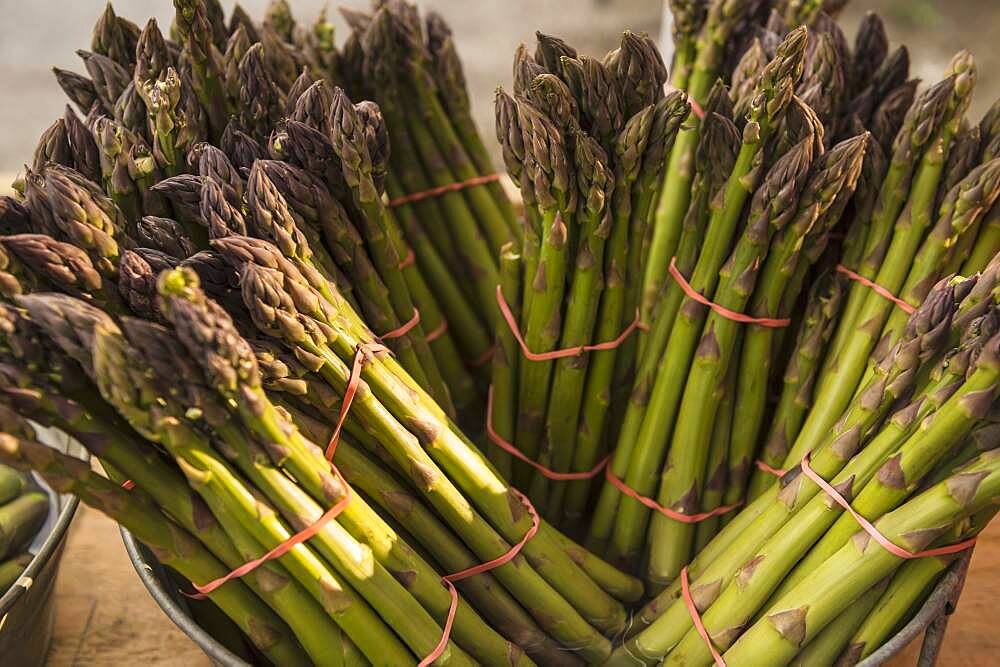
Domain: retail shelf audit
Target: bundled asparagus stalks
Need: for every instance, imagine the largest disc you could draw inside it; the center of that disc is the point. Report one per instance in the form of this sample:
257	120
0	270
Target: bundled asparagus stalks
224	262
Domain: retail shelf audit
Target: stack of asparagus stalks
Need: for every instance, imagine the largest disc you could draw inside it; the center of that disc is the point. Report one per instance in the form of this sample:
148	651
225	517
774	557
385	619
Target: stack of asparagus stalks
23	509
746	291
195	302
155	107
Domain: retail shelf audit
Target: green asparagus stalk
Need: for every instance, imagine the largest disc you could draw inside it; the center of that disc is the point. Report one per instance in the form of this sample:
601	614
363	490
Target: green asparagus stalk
78	88
563	625
196	35
721	19
506	363
774	206
20	520
11	570
828	644
357	163
446	68
546	164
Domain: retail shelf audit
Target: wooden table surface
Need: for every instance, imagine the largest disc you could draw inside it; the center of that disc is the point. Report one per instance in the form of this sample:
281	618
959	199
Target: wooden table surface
105	617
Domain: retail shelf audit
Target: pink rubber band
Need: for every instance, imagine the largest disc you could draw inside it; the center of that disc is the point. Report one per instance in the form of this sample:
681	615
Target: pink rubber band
696	618
665	511
777	472
725	312
484	358
363	354
401	331
497	440
508	316
409	260
438	332
450	579
870	528
443	189
695	107
878	289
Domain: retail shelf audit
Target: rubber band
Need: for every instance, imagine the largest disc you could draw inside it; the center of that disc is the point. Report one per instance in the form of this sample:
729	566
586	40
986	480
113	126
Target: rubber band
870	528
443	189
441	330
497	440
484	358
742	318
696	618
128	485
665	511
508	316
878	289
401	331
363	354
777	472
450	579
696	108
409	260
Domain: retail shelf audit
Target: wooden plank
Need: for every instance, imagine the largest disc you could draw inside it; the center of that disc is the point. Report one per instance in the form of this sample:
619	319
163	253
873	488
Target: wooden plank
104	616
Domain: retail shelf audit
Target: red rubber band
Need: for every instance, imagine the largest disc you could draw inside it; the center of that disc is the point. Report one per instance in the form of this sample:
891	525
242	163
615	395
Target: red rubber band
450	579
363	354
497	440
401	331
443	189
665	511
438	332
508	316
409	260
721	310
870	528
695	107
484	358
878	289
777	472
361	357
128	485
696	618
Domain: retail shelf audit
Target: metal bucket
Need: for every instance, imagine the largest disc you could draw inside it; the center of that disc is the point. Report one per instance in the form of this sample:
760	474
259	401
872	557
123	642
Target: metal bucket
27	609
932	617
164	589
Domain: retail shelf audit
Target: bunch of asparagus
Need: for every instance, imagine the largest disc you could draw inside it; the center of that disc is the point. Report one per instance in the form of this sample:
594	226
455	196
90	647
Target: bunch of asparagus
776	251
792	576
203	351
258	91
585	142
23	509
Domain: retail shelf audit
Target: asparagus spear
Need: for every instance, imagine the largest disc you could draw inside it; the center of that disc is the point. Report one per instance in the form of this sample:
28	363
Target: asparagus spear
446	68
506	363
357	164
546	165
715	158
78	88
721	19
196	34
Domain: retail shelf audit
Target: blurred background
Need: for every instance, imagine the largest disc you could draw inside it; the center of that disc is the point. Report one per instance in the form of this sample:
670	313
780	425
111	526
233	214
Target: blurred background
37	34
